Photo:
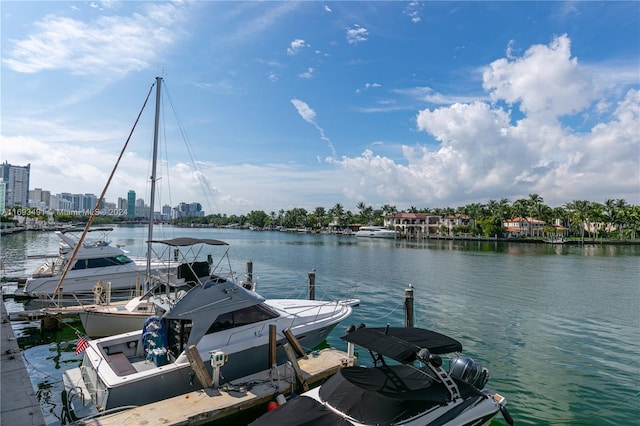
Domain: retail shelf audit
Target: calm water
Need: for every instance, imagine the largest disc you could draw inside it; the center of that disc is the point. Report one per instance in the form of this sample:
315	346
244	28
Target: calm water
558	327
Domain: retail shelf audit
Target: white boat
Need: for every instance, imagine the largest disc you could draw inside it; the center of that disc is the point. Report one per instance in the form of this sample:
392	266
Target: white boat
219	314
416	389
372	231
95	260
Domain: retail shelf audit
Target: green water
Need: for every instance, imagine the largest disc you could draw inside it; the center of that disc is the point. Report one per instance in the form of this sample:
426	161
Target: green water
557	326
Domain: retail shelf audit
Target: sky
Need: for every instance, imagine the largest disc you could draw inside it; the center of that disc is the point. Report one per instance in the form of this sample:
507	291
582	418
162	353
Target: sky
277	105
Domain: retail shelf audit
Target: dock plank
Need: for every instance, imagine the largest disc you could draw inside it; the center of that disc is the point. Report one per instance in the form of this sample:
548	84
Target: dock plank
209	405
19	404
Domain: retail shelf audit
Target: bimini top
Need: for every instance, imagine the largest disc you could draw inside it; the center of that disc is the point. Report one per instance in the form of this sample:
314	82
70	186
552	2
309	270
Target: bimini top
188	241
402	343
68	230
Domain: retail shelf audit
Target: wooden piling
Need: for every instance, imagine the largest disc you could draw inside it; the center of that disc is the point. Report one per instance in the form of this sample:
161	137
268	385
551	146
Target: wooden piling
272	345
408	306
312	285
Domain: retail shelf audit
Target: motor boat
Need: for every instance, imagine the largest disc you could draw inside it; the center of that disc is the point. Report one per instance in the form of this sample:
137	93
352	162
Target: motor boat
95	260
372	231
410	383
215	314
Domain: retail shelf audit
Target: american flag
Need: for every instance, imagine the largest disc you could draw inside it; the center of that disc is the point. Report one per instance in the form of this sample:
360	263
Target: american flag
81	345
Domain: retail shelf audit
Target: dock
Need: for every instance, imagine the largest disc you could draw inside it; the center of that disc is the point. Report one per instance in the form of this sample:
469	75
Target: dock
207	406
19	404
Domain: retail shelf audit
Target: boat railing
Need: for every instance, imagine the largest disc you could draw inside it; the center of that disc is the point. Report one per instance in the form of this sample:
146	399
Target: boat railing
319	309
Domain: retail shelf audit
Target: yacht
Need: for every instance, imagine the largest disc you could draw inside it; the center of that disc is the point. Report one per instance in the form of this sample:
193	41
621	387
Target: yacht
95	260
372	231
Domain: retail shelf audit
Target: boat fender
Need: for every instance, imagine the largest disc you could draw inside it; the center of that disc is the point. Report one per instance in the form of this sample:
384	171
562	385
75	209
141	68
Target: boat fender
272	405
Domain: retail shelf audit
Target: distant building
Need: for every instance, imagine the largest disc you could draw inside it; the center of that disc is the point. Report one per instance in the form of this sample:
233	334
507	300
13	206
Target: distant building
524	227
414	225
3	190
16	179
40	198
166	212
188	210
131	205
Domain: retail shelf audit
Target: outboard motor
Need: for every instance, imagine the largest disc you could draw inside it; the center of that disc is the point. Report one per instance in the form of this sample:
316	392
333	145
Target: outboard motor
469	371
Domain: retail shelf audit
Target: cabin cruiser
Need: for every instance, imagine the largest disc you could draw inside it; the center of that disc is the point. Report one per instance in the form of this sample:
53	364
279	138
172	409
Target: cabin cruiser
418	387
214	314
95	260
372	231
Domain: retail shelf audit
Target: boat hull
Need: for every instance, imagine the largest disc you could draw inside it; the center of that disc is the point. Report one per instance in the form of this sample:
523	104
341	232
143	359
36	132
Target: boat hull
84	284
173	379
100	323
115	371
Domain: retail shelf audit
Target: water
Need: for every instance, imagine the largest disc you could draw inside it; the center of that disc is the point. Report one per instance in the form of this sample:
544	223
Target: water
557	326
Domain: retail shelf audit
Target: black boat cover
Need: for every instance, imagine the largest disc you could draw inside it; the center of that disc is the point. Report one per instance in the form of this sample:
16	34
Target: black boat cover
402	343
387	394
188	241
301	411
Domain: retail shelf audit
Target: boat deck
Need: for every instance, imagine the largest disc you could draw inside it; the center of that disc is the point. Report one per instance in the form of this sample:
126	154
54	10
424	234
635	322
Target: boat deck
217	405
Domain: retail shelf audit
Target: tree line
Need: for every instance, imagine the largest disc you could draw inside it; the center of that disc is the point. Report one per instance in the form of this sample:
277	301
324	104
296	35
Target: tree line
613	219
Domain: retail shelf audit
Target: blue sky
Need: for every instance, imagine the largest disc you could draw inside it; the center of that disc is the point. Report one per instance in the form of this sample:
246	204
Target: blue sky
309	104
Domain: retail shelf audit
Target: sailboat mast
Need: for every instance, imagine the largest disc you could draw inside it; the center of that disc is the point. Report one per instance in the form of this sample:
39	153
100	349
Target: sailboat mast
153	176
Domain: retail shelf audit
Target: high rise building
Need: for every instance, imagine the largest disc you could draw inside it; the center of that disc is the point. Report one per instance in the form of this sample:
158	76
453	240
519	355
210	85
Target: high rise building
131	204
16	179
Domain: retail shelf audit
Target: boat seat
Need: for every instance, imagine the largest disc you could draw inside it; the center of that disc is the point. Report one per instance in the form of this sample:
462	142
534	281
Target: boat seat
120	364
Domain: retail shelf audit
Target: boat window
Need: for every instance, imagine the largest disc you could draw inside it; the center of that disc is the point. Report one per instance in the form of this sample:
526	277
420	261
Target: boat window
245	316
80	264
108	261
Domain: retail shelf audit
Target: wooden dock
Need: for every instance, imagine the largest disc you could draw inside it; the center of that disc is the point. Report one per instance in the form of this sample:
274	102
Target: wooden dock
253	392
19	403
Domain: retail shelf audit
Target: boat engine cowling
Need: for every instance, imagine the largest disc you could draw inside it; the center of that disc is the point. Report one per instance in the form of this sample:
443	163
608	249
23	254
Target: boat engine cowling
469	371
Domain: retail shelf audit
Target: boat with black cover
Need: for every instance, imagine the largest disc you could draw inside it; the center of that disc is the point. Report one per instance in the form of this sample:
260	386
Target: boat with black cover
416	386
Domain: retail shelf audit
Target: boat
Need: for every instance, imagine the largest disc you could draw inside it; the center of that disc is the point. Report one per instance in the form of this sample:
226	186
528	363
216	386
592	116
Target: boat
95	260
372	231
205	309
418	386
105	318
214	315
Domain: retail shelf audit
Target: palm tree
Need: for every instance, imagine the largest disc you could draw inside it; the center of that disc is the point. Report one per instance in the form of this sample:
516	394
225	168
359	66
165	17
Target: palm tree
580	212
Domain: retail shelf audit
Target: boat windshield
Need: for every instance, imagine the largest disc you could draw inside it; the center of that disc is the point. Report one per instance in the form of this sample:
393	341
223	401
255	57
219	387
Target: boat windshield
102	262
244	316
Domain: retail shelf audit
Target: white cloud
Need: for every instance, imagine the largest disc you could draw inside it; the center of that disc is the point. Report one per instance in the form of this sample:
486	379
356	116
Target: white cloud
356	34
108	45
308	74
295	46
545	80
309	115
486	153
